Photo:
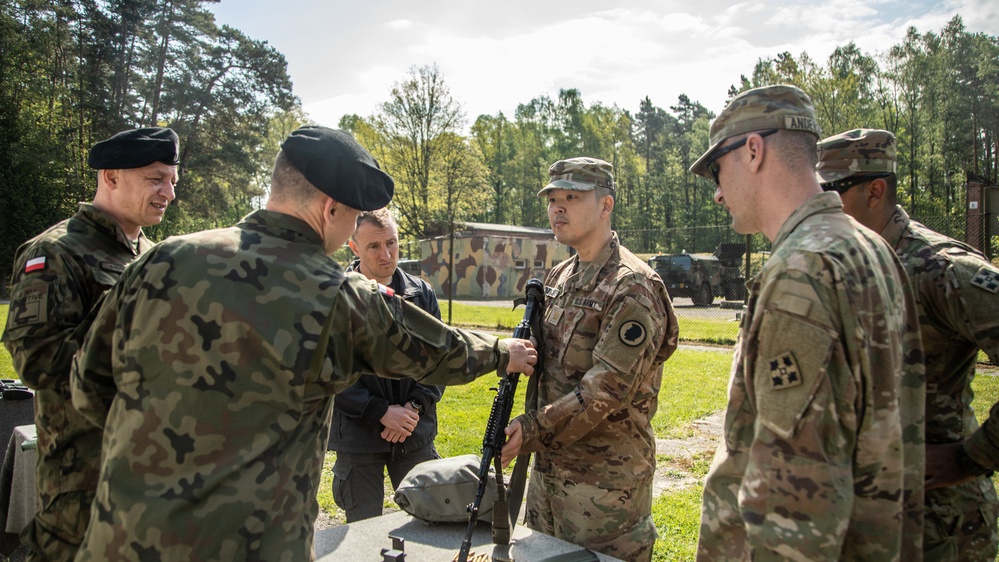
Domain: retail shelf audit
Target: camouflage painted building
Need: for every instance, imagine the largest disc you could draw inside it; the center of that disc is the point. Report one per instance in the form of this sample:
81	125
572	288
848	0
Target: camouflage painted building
491	260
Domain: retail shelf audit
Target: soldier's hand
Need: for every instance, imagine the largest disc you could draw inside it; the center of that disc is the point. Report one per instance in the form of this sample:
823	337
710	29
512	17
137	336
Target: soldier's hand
942	468
523	356
514	441
399	420
394	436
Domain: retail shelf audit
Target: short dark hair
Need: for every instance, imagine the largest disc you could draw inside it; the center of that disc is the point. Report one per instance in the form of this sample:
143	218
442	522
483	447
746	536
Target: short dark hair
288	185
796	148
380	218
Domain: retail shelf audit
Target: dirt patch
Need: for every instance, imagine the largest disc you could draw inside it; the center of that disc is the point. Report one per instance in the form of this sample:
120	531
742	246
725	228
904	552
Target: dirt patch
677	458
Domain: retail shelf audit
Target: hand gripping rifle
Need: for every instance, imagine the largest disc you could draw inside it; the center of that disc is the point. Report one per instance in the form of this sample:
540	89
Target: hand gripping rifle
492	443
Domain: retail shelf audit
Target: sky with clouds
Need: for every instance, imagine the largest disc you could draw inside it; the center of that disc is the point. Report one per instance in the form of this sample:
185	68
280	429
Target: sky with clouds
344	56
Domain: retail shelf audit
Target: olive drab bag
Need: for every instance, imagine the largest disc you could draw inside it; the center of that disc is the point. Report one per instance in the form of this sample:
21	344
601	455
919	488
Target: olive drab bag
439	491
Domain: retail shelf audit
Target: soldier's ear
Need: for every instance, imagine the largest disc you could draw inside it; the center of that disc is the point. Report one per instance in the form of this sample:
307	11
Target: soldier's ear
607	204
110	177
876	192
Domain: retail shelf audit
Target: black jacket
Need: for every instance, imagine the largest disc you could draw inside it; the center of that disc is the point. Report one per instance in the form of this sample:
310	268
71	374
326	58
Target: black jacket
357	410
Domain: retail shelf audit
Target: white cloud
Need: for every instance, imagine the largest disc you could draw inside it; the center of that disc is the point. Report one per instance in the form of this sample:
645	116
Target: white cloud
495	57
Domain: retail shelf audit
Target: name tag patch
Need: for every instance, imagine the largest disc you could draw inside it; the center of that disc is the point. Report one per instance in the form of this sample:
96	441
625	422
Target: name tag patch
112	267
584	302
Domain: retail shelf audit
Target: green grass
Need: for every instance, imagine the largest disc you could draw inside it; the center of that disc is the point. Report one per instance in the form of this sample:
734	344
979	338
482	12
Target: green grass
678	520
720	332
483	316
6	363
693	387
696	330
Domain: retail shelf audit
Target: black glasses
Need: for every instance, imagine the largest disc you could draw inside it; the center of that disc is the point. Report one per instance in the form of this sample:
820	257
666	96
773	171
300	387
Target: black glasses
713	163
841	186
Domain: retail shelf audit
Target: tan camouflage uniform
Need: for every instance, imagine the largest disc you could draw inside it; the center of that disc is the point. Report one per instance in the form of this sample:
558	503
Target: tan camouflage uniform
958	307
199	369
84	256
849	159
609	327
811	467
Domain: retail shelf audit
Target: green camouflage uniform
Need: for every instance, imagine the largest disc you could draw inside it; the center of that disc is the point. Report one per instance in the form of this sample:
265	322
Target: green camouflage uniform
199	367
83	257
812	463
609	327
958	309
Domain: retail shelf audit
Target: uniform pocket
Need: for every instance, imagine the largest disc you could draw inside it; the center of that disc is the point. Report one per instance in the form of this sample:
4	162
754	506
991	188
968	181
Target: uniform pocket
790	366
341	488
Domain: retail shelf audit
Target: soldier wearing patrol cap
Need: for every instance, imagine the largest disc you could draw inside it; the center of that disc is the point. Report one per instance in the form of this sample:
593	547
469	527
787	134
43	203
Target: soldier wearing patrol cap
58	278
956	295
820	420
608	328
212	365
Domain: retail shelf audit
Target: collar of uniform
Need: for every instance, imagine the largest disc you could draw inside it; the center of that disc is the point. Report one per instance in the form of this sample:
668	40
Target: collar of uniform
588	277
106	222
896	227
276	220
821	203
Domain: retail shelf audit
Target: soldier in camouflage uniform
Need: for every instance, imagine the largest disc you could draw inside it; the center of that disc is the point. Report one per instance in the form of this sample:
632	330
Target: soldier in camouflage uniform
812	464
955	289
608	328
212	365
58	278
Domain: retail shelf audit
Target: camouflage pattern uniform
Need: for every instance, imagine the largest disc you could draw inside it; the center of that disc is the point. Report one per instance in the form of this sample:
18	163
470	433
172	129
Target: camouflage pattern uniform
83	257
609	327
811	467
200	368
958	306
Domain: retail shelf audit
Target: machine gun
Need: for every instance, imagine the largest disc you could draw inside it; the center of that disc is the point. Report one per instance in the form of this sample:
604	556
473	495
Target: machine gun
492	443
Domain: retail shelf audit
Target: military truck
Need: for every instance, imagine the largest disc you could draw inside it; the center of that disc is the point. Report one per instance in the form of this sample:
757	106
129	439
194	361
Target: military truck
702	277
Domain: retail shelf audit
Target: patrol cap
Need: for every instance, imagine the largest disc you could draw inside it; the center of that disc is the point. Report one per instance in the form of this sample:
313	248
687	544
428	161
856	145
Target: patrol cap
770	107
135	148
860	151
338	166
579	174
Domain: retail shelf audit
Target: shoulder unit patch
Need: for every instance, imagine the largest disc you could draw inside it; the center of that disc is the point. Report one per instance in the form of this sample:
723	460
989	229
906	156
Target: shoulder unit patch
784	372
632	333
986	278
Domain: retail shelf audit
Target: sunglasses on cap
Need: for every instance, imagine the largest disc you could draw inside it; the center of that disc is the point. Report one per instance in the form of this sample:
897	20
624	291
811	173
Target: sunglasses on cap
712	164
841	186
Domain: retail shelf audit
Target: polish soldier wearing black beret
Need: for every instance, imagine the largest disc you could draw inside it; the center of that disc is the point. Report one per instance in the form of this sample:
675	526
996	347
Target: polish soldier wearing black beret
216	421
58	278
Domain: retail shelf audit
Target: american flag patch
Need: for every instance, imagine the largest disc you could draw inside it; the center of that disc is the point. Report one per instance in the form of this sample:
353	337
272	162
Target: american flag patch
387	291
34	264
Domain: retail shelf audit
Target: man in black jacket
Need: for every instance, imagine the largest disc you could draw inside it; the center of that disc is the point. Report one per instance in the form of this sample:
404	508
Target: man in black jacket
381	423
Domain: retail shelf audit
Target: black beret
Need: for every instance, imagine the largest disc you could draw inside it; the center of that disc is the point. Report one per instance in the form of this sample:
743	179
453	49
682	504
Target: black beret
338	166
135	148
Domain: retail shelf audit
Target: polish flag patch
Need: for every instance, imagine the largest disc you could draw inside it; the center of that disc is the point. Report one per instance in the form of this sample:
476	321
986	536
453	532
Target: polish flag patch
387	291
34	264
